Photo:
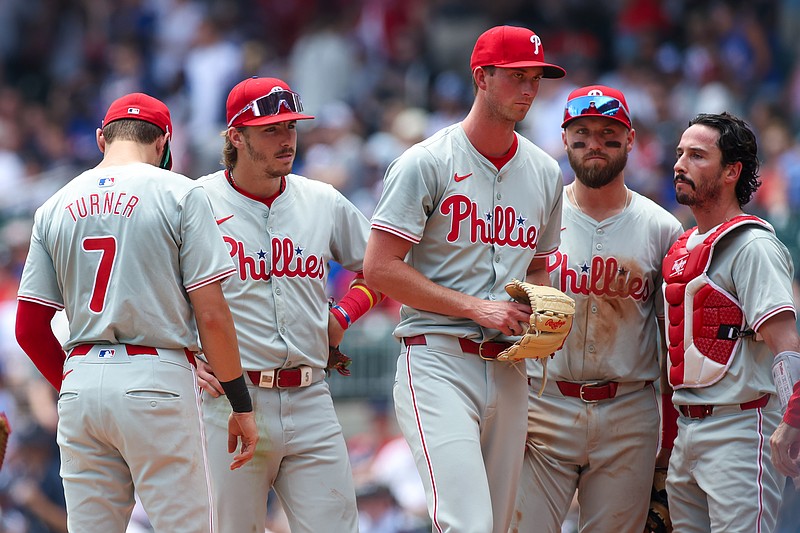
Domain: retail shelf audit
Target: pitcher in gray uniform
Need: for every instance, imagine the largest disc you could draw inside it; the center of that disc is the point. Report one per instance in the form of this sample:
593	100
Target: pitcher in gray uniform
282	230
462	214
730	318
131	253
594	428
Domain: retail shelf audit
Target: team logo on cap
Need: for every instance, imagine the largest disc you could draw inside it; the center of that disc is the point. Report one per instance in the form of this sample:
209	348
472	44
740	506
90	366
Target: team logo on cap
595	92
133	111
537	42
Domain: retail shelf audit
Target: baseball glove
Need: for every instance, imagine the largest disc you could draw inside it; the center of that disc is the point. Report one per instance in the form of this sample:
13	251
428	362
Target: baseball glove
658	520
337	361
5	431
550	321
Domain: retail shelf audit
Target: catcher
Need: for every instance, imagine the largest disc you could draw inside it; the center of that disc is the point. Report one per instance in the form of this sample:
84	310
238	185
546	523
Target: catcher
594	429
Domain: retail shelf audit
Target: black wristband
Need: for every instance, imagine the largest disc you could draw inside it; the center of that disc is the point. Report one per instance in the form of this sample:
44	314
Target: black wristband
236	391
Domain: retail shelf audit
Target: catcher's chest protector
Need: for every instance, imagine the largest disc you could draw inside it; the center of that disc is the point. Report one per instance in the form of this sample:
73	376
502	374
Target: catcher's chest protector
704	323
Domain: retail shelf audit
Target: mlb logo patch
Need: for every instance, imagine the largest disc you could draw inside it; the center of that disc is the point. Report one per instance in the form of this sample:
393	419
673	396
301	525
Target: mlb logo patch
106	182
105	353
133	111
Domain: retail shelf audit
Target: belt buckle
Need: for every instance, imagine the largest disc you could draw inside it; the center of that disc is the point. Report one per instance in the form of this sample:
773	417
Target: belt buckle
584	385
267	379
480	352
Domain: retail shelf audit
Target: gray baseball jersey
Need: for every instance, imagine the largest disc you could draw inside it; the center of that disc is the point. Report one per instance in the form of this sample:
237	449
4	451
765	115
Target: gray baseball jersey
612	269
751	264
472	228
118	248
279	304
115	237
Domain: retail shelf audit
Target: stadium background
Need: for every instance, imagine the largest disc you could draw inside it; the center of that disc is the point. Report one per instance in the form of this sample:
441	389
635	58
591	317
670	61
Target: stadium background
379	75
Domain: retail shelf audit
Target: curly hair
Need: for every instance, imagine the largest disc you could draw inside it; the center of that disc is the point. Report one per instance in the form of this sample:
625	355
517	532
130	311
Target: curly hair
737	142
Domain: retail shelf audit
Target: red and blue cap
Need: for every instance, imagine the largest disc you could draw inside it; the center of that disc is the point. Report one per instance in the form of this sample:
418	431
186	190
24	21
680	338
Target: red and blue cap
597	101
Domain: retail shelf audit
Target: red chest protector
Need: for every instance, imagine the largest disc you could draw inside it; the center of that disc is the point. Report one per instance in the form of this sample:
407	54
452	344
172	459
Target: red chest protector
704	323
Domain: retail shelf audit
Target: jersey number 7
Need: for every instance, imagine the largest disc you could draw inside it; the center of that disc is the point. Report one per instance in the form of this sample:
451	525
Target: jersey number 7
107	246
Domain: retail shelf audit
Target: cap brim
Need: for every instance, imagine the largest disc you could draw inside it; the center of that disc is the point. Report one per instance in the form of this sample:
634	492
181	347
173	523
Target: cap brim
273	119
550	71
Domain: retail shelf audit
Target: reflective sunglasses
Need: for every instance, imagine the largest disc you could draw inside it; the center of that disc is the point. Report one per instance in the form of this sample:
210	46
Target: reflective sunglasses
596	105
271	104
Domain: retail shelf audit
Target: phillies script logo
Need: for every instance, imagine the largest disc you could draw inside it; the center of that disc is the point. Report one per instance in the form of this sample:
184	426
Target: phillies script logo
604	277
503	226
288	260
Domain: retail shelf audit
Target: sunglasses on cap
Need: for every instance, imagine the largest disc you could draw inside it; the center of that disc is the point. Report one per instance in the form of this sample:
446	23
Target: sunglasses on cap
271	103
596	105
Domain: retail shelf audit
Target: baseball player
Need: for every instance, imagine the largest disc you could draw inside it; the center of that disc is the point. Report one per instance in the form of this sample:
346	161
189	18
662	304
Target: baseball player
730	319
595	425
462	214
131	253
282	230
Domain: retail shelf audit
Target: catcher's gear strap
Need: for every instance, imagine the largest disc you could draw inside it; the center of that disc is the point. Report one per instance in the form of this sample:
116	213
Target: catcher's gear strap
786	373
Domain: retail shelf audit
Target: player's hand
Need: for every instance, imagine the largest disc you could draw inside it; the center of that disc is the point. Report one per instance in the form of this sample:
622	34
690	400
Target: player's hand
662	458
242	426
335	331
206	379
511	318
785	446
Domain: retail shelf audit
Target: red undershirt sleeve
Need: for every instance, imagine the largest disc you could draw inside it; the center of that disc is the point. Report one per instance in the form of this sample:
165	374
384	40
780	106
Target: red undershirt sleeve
35	336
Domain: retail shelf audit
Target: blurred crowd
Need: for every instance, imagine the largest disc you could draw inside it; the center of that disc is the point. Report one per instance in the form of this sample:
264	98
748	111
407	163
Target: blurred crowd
379	75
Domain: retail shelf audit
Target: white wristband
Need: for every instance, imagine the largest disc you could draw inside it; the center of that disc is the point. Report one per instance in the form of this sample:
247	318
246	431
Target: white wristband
786	372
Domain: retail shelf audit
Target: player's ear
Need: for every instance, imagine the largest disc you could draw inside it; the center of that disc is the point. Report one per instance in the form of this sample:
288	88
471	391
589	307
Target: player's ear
101	141
236	136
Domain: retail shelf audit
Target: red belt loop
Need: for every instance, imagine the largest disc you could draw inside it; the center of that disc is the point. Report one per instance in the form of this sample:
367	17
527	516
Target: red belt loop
135	349
702	411
81	349
190	357
487	350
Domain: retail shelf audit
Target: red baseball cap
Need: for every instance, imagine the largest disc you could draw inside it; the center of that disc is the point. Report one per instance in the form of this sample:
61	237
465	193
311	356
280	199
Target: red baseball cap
139	106
512	47
597	100
261	101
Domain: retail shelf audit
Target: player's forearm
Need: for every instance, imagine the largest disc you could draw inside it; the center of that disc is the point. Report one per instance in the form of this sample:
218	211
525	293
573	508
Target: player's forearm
217	332
400	281
220	345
